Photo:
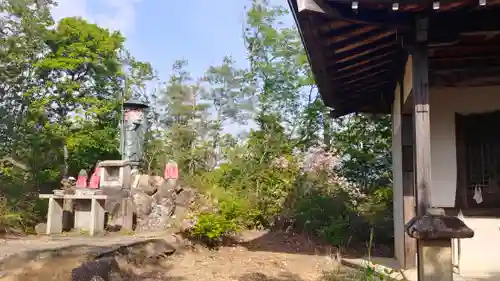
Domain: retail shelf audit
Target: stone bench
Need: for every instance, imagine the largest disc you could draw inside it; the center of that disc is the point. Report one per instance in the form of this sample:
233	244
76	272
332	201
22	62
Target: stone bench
89	212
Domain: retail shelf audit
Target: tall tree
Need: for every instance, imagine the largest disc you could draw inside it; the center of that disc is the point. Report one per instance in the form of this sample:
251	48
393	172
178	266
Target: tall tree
183	116
23	25
280	69
80	75
231	98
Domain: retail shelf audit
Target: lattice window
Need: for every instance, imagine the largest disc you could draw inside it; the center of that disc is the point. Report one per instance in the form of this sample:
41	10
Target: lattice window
482	147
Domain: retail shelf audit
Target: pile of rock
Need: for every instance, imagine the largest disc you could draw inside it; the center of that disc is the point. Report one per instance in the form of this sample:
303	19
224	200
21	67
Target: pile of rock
158	202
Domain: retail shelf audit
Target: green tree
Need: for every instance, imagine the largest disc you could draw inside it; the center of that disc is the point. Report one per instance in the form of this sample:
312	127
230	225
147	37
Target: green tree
80	90
231	98
183	117
280	69
364	144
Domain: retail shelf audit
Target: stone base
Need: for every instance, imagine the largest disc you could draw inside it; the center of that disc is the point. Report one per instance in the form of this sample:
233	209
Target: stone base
54	216
434	233
437	227
435	260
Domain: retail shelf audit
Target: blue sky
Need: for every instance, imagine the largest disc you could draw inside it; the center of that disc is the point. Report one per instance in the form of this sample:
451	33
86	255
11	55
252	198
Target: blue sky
162	31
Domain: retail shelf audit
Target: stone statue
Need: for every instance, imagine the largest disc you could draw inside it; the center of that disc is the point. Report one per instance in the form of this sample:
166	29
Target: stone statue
135	126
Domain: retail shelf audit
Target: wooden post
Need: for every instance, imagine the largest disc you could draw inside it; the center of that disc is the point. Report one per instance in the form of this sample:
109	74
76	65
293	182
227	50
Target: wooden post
421	120
434	255
410	244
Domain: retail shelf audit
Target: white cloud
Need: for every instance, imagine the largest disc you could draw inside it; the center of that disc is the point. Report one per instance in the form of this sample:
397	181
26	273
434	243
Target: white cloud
113	14
70	8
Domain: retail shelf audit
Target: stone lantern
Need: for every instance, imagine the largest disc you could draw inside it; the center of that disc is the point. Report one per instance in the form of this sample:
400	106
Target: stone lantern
134	131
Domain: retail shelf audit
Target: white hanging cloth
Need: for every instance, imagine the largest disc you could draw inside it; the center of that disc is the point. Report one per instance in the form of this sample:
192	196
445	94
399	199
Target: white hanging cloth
478	195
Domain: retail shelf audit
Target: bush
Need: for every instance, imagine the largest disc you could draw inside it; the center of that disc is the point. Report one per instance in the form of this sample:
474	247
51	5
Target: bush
268	185
220	215
20	208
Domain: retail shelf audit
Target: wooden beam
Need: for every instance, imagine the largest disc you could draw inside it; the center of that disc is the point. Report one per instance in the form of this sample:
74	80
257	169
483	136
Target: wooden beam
366	41
348	35
333	25
369	16
362	87
371	80
374	73
363	70
307	6
370	60
464	65
467	20
367	52
458	51
315	52
465	58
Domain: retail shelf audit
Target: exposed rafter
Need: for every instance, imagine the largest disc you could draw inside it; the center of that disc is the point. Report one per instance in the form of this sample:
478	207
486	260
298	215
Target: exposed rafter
357	52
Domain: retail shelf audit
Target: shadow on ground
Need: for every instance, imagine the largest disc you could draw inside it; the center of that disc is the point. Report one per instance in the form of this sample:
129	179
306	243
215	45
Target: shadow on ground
292	243
257	276
134	261
346	274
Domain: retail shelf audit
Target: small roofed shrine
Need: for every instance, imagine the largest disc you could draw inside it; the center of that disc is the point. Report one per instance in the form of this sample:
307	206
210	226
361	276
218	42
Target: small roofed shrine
435	67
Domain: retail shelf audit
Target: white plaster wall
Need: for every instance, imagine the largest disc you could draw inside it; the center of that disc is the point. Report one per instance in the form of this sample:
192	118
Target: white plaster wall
481	252
397	189
444	103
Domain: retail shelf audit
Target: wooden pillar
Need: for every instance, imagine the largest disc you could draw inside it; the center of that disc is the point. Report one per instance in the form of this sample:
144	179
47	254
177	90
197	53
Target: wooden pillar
410	244
433	232
421	120
435	253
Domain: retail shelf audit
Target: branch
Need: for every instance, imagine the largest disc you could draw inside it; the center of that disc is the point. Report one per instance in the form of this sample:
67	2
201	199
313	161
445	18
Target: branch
15	163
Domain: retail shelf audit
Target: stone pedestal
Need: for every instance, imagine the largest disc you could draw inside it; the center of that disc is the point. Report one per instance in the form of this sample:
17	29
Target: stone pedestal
96	216
82	210
89	212
128	210
436	260
55	216
115	174
434	234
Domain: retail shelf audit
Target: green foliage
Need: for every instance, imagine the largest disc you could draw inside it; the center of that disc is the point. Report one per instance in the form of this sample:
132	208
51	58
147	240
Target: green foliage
62	89
364	141
266	171
324	213
212	226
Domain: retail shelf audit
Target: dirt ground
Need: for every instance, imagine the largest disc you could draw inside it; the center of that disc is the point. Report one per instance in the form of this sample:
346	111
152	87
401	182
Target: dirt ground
256	256
260	256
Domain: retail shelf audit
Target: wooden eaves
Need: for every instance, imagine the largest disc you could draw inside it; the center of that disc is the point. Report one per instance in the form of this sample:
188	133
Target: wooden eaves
358	55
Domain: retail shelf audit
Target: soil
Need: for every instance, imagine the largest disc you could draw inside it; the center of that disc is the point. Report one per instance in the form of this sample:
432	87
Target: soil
254	256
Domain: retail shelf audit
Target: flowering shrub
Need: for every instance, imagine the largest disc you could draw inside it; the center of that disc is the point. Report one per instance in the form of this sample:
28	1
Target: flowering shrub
271	185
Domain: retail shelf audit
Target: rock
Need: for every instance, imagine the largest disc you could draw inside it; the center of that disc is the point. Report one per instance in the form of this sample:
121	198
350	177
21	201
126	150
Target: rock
185	197
41	229
140	252
149	184
158	220
166	190
143	203
100	269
